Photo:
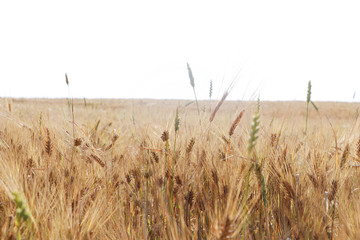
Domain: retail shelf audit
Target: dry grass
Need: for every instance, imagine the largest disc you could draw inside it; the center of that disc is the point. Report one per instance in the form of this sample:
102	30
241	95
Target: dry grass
133	183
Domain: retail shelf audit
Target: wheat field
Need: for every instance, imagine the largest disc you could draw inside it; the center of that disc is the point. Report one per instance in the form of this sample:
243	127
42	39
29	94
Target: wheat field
160	169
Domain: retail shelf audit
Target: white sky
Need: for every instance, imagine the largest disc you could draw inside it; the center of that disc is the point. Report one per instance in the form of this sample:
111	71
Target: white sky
139	49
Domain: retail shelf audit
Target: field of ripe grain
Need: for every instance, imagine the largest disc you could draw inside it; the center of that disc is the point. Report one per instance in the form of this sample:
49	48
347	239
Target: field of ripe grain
159	169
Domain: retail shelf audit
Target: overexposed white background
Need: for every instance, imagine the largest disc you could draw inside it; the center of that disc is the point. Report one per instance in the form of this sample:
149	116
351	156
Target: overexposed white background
139	49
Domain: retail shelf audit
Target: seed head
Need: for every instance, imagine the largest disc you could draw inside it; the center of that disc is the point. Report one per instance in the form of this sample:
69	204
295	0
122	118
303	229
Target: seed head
308	99
165	136
67	80
177	121
192	81
236	123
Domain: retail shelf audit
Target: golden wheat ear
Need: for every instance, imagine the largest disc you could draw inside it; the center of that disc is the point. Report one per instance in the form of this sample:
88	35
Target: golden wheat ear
218	105
236	123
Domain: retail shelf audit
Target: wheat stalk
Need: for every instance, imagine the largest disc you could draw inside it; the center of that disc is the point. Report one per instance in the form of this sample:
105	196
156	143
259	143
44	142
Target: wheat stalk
192	83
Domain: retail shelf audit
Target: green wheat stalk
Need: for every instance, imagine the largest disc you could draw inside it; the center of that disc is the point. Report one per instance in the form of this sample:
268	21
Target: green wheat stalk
23	214
254	130
253	136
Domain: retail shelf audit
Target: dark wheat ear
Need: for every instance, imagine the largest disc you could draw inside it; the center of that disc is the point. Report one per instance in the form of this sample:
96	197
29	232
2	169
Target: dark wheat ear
189	198
190	146
98	160
77	142
165	136
155	157
48	144
333	191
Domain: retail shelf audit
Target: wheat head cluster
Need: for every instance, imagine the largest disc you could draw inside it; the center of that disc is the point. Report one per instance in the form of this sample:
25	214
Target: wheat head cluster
171	169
